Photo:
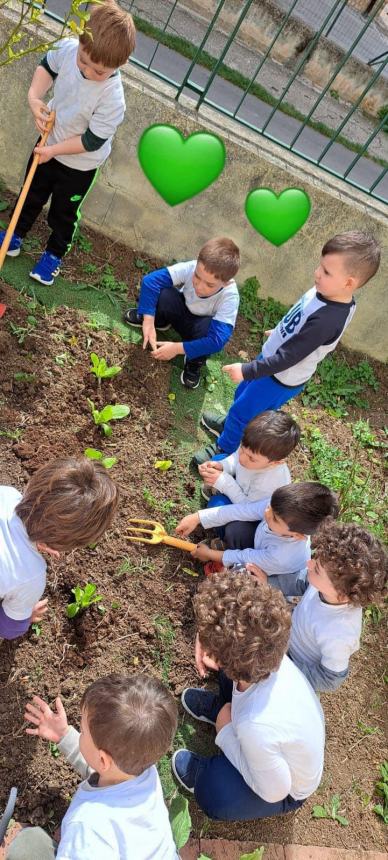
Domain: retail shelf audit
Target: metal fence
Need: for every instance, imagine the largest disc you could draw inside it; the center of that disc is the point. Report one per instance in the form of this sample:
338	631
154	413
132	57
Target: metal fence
209	80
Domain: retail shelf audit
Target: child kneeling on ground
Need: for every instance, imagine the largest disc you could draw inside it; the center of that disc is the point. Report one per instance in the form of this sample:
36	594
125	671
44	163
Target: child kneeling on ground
127	724
258	466
269	723
348	571
202	310
68	503
280	543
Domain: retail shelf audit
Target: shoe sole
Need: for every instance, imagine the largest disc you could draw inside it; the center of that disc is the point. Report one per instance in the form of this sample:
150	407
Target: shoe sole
14	253
176	774
204	496
195	717
140	325
210	429
191	387
40	280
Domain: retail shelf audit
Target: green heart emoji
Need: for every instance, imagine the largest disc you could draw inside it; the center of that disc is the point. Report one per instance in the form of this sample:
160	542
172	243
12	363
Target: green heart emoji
179	169
277	217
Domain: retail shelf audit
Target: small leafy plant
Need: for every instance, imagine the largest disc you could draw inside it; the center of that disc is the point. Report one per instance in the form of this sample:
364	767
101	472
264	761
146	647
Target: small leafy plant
331	811
21	376
180	820
163	465
54	751
94	454
21	331
100	368
84	597
336	385
381	789
103	417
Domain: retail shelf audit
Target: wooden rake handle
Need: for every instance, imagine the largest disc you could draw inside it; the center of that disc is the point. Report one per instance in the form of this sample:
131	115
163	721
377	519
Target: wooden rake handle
179	543
25	190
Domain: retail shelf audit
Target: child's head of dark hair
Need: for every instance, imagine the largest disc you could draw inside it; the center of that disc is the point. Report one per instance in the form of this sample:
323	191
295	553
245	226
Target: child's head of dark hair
360	251
354	560
273	434
68	503
304	506
133	719
109	38
242	624
221	258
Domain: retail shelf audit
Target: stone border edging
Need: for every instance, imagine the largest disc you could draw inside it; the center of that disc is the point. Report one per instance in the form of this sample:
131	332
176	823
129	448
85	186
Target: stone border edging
223	849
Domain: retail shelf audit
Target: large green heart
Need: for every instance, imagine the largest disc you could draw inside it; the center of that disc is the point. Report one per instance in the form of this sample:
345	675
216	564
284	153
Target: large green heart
177	168
277	217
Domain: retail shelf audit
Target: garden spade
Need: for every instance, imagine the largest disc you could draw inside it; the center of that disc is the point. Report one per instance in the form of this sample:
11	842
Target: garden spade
157	534
25	190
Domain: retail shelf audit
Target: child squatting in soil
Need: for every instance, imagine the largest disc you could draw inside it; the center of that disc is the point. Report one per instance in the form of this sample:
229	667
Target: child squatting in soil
89	105
305	335
348	570
67	504
202	310
269	723
127	724
279	544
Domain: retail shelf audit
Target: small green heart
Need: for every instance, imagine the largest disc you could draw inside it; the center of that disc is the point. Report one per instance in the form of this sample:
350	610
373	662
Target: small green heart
277	217
179	169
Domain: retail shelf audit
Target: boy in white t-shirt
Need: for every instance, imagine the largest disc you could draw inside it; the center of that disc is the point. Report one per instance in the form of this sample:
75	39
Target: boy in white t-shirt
348	571
118	811
269	723
199	299
68	503
89	105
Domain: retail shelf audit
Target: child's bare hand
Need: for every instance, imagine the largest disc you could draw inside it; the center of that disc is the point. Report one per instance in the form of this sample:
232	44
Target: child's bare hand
45	153
210	476
224	717
269	332
256	571
51	725
187	525
40	112
233	371
202	661
210	464
149	332
39	610
203	552
166	350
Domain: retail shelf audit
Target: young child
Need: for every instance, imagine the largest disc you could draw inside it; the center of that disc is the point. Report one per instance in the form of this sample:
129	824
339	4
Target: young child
307	333
280	543
127	724
258	467
269	723
202	310
88	101
68	503
348	571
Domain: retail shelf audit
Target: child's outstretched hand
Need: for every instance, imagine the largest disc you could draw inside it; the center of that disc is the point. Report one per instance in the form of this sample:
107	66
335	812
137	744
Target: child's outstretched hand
234	371
187	525
202	661
205	553
256	571
51	725
39	610
149	331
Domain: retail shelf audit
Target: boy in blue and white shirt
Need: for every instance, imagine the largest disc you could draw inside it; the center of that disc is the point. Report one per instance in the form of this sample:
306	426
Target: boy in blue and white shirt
305	335
202	308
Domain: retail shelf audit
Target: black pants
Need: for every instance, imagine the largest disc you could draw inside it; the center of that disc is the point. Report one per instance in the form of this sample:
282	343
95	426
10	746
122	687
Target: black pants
240	535
68	189
172	310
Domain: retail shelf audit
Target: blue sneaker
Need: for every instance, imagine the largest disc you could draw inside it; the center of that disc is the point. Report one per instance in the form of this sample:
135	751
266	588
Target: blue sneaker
185	766
46	269
14	245
201	704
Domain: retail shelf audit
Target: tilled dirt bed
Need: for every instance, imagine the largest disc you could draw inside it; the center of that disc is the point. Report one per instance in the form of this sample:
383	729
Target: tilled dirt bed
145	591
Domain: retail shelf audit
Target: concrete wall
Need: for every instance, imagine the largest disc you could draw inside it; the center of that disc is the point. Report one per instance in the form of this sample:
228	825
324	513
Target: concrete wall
124	205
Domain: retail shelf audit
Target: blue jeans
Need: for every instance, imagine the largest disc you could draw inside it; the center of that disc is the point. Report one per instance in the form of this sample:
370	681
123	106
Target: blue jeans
221	791
250	399
172	310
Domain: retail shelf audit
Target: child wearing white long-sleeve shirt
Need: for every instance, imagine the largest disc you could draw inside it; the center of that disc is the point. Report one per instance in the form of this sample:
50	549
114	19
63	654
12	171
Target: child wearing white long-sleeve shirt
258	467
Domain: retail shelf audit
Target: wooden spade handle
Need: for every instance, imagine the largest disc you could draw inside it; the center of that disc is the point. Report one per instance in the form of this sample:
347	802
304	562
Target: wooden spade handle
25	190
179	543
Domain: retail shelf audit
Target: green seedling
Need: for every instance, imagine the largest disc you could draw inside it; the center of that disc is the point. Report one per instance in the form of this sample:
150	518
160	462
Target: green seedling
20	331
37	628
331	811
180	820
103	417
15	435
94	454
381	789
89	268
149	498
367	730
165	635
82	242
141	264
53	749
100	368
64	358
163	465
84	597
364	435
21	376
372	613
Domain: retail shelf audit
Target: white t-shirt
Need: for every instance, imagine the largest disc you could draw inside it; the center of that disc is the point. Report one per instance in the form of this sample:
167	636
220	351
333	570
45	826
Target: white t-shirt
324	633
222	306
277	735
22	568
80	104
239	483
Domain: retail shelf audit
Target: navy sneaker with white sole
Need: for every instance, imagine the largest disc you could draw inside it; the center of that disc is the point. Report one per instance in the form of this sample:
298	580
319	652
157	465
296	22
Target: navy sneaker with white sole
14	245
185	766
131	317
46	269
201	704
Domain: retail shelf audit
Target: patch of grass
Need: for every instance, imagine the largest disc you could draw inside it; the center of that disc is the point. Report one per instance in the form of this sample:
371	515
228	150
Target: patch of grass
335	385
165	636
262	313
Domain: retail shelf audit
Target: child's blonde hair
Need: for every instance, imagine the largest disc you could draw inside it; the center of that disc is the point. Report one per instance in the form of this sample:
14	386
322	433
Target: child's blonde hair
110	35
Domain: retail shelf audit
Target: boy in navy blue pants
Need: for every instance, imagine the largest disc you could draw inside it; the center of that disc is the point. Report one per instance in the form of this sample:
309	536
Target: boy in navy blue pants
305	335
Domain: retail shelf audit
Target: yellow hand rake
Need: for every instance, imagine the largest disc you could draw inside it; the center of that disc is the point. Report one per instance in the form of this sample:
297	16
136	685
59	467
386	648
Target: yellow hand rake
157	534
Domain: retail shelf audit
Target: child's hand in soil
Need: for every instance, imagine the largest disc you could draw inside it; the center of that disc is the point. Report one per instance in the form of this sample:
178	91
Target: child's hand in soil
224	717
256	571
205	553
166	350
39	610
149	332
234	372
51	725
202	661
187	525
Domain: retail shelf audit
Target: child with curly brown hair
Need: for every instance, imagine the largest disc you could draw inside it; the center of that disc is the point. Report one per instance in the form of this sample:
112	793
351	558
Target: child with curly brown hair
348	570
268	720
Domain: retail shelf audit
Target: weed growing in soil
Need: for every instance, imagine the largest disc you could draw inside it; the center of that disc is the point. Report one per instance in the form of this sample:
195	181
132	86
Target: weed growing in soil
22	331
82	242
165	635
15	435
103	417
381	789
144	565
336	385
84	597
264	314
94	454
372	613
36	628
100	368
364	435
331	811
53	748
21	376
